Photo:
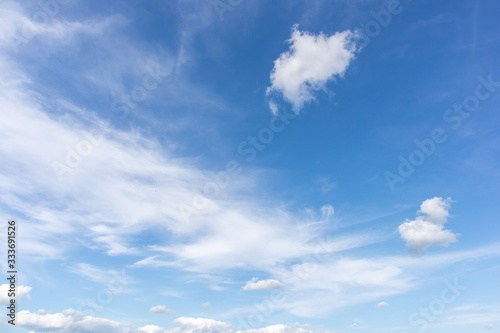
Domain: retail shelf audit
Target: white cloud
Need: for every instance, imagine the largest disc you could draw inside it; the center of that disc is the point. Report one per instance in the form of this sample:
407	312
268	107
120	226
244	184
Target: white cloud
201	325
206	304
278	329
21	292
381	304
18	28
311	62
145	187
267	241
427	229
152	329
102	276
254	284
327	212
161	309
71	321
67	322
274	108
478	318
436	209
204	325
420	234
486	316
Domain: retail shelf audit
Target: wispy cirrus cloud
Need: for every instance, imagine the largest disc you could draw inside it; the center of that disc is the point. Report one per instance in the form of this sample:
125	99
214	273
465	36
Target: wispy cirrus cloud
100	275
20	26
147	186
473	315
264	247
317	288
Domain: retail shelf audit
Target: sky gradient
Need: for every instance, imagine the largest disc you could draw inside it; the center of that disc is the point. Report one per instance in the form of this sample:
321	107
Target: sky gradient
251	166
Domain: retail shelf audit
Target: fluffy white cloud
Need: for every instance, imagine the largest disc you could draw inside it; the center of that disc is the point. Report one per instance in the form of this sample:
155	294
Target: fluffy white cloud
277	329
69	321
204	325
21	291
152	329
201	325
254	284
427	229
436	209
309	64
420	234
381	304
161	309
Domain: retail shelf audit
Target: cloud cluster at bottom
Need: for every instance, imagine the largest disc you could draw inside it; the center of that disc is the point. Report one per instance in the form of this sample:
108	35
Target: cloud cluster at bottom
72	321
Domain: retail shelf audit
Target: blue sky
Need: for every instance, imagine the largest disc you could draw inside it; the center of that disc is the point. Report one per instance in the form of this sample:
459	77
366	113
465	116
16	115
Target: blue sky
251	166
